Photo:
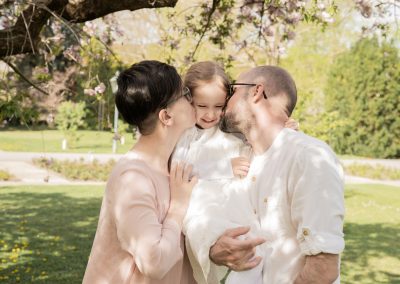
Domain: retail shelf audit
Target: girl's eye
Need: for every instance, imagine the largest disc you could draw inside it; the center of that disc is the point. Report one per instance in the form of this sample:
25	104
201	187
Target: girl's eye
201	106
219	106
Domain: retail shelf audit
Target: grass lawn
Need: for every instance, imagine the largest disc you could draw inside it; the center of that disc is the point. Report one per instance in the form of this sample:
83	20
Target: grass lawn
47	232
50	141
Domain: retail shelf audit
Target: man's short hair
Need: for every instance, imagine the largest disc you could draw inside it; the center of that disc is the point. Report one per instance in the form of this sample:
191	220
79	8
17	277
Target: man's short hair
143	90
277	82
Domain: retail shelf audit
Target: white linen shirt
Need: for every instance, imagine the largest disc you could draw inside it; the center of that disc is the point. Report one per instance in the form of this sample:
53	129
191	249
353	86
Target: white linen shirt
218	202
297	191
209	151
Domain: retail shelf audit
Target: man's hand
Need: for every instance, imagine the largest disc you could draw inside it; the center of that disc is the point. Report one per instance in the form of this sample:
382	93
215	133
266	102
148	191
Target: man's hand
234	253
322	268
240	166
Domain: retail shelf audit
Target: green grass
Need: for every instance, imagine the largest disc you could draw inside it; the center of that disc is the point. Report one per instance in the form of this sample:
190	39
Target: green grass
373	172
372	233
50	141
47	232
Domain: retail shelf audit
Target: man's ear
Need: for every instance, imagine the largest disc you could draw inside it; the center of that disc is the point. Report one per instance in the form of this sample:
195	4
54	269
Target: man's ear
258	93
165	118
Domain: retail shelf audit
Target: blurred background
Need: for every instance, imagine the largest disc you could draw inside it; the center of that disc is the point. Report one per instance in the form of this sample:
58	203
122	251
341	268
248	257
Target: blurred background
60	134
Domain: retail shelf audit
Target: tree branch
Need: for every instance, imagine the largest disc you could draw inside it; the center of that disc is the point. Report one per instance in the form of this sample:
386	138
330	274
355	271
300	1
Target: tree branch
205	27
32	20
16	70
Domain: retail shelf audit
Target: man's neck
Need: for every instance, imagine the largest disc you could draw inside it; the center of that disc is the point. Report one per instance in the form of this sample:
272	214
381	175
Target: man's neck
261	138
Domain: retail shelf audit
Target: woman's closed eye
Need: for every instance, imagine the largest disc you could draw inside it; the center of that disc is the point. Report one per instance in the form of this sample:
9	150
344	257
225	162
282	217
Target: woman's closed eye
201	106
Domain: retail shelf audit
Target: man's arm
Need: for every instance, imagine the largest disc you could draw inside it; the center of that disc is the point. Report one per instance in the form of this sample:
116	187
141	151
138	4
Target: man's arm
322	268
234	253
317	212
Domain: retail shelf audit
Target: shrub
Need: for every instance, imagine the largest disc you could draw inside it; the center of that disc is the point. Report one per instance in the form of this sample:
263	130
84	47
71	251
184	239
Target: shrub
5	176
364	88
78	170
373	172
69	118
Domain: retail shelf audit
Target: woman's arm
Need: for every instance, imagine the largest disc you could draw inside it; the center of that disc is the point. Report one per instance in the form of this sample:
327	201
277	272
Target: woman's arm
154	245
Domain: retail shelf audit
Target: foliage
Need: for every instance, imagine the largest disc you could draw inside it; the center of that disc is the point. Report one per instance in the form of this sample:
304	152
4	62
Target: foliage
78	170
5	176
97	65
374	172
70	118
48	228
363	88
17	109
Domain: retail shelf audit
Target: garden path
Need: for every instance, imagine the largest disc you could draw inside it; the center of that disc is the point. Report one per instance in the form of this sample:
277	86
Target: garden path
20	165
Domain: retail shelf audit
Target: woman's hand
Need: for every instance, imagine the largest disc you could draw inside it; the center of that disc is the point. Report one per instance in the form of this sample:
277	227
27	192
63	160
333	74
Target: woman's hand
181	185
293	124
240	166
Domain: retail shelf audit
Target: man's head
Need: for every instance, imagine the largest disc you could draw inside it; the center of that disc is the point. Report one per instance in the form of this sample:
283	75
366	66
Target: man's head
265	94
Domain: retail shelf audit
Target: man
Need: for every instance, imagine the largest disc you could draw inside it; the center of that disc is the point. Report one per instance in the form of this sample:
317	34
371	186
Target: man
297	188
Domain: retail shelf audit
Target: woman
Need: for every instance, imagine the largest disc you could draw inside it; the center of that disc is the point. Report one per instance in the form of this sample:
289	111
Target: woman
138	239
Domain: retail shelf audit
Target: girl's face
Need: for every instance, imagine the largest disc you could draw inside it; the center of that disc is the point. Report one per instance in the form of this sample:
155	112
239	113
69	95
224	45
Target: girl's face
208	101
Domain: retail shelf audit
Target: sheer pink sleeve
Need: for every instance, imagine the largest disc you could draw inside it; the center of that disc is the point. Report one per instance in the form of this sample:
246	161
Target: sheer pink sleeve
154	245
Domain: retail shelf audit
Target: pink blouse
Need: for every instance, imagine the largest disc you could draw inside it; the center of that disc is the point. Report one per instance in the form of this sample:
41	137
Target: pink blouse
135	242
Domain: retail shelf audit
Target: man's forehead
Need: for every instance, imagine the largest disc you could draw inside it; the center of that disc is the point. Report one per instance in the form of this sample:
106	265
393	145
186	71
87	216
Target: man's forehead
242	77
249	77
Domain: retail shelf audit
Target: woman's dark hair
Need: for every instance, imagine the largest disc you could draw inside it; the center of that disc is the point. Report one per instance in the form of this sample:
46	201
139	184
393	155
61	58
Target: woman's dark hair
205	71
144	89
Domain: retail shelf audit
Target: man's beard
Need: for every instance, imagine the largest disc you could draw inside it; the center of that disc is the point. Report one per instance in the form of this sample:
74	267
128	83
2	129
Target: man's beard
230	124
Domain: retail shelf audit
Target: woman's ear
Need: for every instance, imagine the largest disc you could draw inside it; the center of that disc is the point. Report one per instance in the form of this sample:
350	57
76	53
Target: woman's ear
165	118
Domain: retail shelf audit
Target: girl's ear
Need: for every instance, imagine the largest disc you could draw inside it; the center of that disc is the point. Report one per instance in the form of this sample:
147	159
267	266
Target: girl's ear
165	118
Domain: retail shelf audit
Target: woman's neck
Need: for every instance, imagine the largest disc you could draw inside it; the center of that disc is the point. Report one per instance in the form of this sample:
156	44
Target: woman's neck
155	149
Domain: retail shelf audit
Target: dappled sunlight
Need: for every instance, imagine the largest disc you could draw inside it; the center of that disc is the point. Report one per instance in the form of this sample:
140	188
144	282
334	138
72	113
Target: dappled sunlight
372	231
371	249
46	233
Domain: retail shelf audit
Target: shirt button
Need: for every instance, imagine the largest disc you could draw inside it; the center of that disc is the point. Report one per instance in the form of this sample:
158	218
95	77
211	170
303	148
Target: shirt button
253	178
306	232
265	200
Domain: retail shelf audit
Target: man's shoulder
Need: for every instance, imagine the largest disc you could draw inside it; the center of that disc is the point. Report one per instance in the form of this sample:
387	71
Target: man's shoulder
307	145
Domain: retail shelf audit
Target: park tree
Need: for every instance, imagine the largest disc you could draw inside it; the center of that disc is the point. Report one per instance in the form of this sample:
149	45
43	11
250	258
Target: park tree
363	90
52	46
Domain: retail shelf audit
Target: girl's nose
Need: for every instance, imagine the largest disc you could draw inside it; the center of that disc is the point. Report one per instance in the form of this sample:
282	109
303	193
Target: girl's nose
211	114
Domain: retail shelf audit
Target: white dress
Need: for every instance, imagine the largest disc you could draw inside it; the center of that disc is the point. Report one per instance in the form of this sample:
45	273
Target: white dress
218	202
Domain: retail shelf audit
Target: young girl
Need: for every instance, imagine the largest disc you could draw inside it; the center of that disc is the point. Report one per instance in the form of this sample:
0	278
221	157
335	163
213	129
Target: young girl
220	199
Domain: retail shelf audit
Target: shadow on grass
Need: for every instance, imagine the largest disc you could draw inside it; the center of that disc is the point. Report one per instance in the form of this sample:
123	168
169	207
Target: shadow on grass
371	250
46	238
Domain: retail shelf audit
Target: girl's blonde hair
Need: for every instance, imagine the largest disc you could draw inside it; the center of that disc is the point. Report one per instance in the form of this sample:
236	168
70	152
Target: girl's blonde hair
205	71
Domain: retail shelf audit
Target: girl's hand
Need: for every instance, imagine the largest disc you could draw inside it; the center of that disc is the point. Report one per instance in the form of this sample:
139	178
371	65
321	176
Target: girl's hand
293	124
240	166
